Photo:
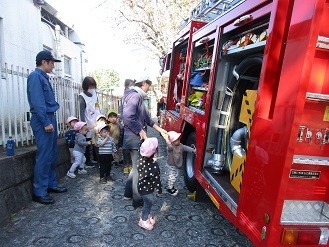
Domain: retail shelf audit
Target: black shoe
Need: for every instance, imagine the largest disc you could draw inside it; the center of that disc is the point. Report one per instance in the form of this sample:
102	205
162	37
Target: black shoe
172	191
89	165
43	199
57	190
110	178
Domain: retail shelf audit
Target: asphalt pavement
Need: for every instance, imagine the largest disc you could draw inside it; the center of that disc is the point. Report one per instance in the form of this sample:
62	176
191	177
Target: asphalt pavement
95	214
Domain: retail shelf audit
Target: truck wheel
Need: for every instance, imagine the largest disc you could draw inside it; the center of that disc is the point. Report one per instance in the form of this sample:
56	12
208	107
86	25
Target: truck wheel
188	164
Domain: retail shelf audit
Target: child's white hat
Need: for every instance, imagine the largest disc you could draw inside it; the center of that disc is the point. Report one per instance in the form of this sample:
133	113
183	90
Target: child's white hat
149	146
173	135
102	126
99	116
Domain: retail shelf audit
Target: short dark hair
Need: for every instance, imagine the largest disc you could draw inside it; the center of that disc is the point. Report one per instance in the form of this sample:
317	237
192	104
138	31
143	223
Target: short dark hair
129	82
39	63
87	82
112	114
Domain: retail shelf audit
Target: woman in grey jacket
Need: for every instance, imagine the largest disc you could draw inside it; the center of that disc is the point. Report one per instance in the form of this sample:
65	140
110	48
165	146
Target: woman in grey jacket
135	120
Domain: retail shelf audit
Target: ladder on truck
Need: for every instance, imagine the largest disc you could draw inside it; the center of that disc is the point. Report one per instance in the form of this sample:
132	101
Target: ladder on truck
208	10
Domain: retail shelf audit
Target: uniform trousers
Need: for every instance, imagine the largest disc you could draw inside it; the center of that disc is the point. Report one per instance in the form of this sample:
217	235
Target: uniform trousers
46	158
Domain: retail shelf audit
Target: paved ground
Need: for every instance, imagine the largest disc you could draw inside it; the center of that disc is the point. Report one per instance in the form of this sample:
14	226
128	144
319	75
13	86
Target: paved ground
93	214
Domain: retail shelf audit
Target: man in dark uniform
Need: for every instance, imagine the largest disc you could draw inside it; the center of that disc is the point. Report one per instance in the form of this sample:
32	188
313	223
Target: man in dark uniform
43	106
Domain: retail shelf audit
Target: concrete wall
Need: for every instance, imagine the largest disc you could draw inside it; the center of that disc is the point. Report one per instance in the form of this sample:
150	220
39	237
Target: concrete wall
16	178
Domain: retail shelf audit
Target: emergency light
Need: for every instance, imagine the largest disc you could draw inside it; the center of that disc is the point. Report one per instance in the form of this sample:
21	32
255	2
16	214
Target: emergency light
301	236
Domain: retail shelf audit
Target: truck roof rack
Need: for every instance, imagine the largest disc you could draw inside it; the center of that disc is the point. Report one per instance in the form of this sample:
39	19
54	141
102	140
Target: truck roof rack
208	10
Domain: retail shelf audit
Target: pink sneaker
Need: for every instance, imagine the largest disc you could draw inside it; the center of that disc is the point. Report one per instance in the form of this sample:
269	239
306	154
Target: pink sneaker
145	224
151	220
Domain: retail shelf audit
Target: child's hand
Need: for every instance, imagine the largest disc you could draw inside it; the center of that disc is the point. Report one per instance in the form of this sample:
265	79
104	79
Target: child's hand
164	135
194	151
89	142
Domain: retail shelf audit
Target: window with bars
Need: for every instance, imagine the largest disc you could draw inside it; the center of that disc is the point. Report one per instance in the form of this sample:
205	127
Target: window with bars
67	66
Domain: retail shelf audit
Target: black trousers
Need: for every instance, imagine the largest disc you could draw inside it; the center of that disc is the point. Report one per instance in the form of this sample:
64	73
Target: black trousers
105	163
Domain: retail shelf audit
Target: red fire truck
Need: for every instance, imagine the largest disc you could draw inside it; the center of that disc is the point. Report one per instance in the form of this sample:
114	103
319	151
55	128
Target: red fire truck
249	87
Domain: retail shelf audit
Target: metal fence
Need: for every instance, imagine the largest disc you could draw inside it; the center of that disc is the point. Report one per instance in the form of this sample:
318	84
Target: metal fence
14	107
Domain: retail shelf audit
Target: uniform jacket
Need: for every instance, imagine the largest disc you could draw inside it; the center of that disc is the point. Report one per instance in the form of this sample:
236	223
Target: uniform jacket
41	96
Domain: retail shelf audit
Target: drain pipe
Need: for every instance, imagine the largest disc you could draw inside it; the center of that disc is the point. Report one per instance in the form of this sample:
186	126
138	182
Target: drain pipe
235	141
58	51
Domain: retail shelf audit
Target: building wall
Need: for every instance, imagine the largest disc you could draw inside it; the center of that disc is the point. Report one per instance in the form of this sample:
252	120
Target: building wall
21	32
22	35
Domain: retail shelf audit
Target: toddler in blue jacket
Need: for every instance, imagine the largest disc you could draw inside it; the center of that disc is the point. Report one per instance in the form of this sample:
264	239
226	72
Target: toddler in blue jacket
70	135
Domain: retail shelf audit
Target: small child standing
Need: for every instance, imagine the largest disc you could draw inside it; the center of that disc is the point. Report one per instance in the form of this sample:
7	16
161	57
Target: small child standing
116	133
79	149
107	151
70	135
148	180
175	158
100	120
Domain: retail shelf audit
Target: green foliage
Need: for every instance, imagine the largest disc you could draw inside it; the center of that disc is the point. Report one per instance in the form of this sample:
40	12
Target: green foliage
106	78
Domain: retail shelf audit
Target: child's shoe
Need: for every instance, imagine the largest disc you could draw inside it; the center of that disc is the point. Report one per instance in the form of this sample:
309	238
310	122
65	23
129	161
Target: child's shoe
82	171
151	220
172	191
70	174
110	178
126	170
89	165
145	224
103	180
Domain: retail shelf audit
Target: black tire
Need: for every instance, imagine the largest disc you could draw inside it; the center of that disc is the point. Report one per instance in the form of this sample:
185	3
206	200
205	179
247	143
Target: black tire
188	164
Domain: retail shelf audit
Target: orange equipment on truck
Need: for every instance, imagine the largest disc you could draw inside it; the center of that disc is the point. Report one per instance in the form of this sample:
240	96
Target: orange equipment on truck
250	89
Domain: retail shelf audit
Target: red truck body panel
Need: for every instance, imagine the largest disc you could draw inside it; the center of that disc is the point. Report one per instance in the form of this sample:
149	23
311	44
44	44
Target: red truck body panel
287	149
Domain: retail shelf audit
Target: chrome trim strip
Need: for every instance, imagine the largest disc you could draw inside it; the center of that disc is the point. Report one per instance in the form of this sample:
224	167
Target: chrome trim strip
230	203
310	160
317	96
